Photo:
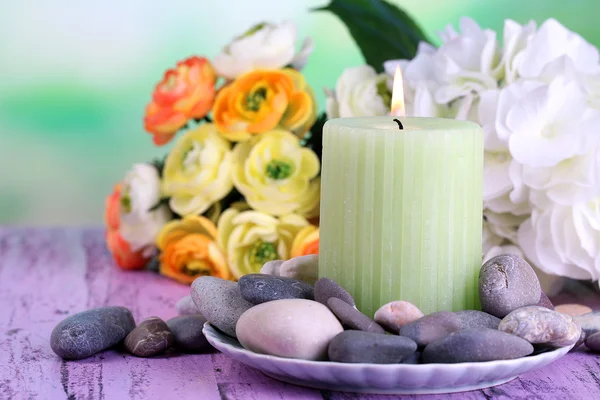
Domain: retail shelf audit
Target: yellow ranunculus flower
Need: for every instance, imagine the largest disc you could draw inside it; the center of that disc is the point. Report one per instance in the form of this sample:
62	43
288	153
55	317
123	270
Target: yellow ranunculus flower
251	238
198	171
276	175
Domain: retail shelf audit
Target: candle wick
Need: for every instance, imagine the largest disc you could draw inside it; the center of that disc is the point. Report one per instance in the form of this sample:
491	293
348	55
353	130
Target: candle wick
399	123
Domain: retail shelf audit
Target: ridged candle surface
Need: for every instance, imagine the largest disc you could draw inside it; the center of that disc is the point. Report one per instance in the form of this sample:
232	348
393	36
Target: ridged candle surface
401	211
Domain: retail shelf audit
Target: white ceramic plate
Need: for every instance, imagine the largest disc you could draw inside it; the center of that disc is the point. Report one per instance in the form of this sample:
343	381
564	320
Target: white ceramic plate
382	378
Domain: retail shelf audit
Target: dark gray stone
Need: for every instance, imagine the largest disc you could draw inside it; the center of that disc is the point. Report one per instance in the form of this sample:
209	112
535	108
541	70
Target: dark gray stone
414	358
545	301
150	338
351	318
431	327
477	319
592	342
89	332
589	322
507	282
187	330
326	288
220	302
476	345
260	288
369	347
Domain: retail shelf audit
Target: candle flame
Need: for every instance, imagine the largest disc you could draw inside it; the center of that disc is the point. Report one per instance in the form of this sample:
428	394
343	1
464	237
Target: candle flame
398	95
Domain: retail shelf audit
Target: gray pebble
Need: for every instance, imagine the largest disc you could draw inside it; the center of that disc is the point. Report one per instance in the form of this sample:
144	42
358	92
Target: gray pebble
589	322
369	347
477	319
539	325
351	317
414	358
326	288
186	306
545	301
86	333
476	345
507	282
150	338
187	330
431	327
593	342
220	302
260	288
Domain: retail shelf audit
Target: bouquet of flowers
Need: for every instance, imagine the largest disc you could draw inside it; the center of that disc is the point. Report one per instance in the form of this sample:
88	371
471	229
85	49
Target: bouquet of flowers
241	184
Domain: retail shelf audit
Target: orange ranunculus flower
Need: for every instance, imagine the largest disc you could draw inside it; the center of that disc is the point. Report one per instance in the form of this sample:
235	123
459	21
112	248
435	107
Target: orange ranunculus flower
119	247
189	249
306	242
186	92
263	100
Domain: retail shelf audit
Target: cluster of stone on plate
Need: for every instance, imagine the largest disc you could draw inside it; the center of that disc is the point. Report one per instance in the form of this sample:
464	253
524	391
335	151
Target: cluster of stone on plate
286	311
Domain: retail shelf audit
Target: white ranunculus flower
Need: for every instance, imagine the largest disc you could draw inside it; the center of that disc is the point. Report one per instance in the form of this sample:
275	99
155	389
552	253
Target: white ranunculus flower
547	124
359	92
141	191
564	240
266	45
553	42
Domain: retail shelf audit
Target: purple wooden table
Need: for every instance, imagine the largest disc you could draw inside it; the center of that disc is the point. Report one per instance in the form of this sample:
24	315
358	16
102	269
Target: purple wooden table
48	274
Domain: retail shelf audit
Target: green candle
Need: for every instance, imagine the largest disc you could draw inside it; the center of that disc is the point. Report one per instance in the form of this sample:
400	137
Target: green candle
401	211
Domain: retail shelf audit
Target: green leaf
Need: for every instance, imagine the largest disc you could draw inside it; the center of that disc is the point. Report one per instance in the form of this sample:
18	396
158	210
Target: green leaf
381	30
162	202
159	164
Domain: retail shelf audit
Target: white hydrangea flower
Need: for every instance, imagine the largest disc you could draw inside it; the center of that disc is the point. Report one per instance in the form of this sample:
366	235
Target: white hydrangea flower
499	250
515	40
359	92
266	45
139	224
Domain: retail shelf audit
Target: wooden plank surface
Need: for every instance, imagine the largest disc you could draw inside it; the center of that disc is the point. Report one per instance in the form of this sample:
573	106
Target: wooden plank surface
48	274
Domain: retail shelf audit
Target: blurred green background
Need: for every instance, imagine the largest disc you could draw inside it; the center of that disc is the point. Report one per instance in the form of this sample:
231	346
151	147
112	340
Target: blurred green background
75	77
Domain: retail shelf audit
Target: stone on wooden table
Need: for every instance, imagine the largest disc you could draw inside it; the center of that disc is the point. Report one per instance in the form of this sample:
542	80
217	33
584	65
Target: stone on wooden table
292	328
89	332
351	318
539	325
150	338
431	327
394	315
186	306
477	319
220	302
369	347
260	288
326	288
507	282
573	310
476	345
303	268
590	322
187	332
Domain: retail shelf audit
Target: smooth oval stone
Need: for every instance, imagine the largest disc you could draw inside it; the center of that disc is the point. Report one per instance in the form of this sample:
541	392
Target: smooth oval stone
150	338
392	316
415	358
187	332
539	325
507	282
186	306
351	317
369	347
476	345
545	301
272	267
590	322
431	327
573	310
292	328
220	302
260	288
592	342
326	288
477	319
86	333
303	268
